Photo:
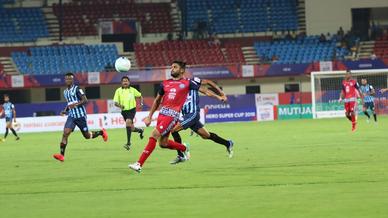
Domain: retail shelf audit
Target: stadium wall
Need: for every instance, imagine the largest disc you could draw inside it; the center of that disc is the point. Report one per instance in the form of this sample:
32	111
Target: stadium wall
329	15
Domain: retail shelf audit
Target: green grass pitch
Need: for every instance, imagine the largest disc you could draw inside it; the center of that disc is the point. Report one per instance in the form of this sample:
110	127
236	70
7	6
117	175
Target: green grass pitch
300	168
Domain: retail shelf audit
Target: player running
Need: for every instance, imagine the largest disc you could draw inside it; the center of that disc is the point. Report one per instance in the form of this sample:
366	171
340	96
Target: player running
75	109
10	114
125	99
368	92
171	96
349	94
191	118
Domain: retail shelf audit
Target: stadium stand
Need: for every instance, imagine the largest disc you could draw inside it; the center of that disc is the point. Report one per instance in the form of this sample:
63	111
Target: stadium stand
230	16
302	50
65	58
194	52
79	20
381	47
22	24
1	69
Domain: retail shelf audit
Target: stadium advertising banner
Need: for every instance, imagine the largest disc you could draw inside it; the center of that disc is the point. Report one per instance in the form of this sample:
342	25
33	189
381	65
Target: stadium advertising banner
95	121
238	108
265	106
333	110
295	111
266	99
265	113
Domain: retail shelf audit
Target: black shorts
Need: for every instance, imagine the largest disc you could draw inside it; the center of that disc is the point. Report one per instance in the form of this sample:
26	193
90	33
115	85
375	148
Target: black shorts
369	105
191	121
129	114
81	122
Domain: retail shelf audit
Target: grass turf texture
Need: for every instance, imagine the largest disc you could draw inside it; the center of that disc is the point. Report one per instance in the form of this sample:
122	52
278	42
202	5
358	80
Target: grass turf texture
301	168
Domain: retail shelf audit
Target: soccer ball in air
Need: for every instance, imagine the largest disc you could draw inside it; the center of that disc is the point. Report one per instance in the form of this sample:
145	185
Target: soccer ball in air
122	64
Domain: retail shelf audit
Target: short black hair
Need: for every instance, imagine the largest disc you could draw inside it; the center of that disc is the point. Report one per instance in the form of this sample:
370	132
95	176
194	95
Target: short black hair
69	74
125	77
5	95
180	63
348	71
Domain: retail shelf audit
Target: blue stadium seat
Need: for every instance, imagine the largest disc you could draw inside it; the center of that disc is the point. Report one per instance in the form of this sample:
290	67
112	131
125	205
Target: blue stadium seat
230	16
22	24
66	58
305	50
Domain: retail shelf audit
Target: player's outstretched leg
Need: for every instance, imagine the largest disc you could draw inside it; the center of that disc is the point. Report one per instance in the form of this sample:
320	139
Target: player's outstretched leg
14	133
6	133
181	157
367	115
149	148
217	139
63	144
354	121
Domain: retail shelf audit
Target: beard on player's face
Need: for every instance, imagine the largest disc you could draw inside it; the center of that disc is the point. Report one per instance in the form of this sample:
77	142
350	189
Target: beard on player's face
175	74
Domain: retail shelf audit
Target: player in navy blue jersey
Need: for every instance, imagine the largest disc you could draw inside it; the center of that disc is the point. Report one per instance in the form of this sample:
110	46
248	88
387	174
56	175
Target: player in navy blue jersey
368	92
10	115
76	115
191	118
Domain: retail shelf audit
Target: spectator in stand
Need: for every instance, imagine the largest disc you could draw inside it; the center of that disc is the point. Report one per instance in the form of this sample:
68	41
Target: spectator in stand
288	36
322	38
214	40
170	37
340	33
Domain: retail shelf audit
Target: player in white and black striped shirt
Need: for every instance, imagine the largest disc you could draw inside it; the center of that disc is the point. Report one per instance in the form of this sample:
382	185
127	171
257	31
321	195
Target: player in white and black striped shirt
75	109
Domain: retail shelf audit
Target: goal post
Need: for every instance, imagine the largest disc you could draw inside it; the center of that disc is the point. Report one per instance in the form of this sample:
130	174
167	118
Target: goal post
326	88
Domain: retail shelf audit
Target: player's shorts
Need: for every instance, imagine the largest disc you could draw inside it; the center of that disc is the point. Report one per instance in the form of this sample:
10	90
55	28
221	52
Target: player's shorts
8	119
129	114
165	124
81	122
369	105
350	106
191	121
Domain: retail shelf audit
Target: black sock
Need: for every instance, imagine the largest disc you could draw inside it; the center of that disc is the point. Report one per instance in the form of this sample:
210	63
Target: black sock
96	134
215	138
129	132
177	138
375	116
367	114
137	130
349	118
14	132
6	133
63	148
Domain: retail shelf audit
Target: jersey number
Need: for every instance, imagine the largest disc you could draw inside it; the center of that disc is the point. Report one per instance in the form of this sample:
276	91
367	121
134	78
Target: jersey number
347	89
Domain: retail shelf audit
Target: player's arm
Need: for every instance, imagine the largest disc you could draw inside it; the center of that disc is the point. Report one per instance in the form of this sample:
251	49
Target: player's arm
14	113
139	96
65	110
342	94
83	100
383	90
154	107
210	93
213	85
141	100
372	91
116	99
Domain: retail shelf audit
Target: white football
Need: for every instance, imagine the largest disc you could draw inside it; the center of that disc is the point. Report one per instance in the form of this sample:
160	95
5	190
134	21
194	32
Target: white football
122	64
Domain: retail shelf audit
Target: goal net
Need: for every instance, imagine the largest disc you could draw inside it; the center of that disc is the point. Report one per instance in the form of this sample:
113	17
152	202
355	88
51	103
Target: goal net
326	88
